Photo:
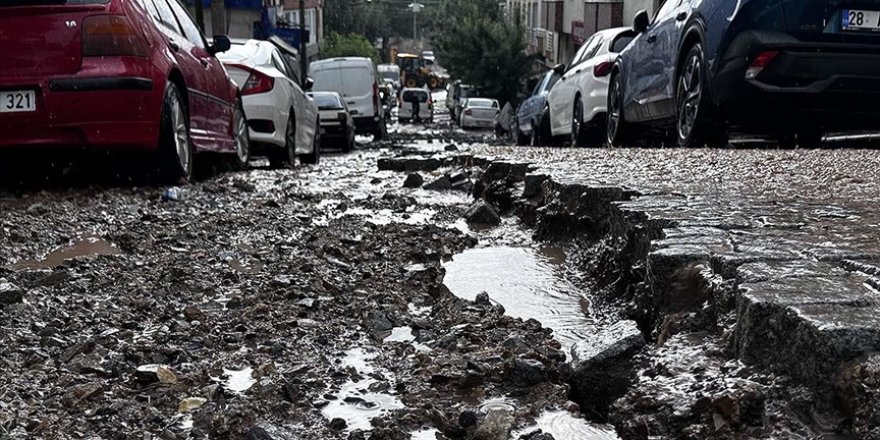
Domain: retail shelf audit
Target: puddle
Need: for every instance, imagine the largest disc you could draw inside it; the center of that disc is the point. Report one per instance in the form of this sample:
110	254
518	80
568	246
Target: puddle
356	404
498	404
562	425
239	381
384	217
526	282
88	246
400	334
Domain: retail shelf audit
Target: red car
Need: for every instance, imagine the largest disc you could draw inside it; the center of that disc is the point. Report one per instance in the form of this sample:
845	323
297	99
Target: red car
134	75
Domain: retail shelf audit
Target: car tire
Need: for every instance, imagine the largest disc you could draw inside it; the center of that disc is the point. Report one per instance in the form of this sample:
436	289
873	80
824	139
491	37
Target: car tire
315	156
540	131
242	137
576	138
175	151
810	137
696	122
617	130
519	137
286	155
348	146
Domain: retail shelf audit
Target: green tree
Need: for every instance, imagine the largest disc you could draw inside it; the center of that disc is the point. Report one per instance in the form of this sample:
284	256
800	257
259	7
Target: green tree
349	45
480	44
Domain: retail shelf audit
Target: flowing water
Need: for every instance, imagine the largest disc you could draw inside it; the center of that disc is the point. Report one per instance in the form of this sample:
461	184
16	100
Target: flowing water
527	282
84	247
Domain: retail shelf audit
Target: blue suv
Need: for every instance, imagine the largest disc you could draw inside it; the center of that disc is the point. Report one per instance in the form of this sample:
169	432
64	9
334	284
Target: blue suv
794	69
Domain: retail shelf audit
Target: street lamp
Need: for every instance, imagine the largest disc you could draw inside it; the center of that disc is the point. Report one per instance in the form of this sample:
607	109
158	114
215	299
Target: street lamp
416	8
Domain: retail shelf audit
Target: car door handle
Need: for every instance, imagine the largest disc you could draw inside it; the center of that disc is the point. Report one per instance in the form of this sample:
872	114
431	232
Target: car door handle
204	62
652	38
681	16
174	46
577	71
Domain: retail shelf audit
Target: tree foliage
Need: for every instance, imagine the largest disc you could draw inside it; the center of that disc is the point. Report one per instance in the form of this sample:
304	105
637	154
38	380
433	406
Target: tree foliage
480	44
375	19
349	45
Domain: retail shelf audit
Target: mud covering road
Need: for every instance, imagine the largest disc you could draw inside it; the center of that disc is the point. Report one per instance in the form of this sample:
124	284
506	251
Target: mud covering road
292	304
353	300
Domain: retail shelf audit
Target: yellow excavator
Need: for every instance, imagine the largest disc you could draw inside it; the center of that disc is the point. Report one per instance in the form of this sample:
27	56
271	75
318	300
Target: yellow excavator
416	71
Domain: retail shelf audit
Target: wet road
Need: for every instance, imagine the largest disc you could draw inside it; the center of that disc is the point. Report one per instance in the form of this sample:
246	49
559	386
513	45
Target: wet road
329	301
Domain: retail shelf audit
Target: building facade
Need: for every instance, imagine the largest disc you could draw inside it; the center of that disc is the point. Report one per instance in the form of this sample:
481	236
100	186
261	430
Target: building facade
249	18
555	29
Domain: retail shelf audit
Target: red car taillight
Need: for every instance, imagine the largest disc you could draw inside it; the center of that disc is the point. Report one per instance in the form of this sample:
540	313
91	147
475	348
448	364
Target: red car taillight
257	82
602	69
760	62
111	35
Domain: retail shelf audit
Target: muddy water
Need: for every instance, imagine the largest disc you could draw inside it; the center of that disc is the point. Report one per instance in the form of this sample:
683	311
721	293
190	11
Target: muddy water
564	426
527	282
355	402
84	247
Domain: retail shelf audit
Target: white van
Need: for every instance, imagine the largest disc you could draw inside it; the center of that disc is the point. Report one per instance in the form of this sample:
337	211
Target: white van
356	80
408	97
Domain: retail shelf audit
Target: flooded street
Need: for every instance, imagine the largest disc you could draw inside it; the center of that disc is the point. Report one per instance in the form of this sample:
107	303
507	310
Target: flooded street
443	286
527	283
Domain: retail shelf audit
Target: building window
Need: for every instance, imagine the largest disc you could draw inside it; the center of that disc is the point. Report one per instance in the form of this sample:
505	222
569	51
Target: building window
292	18
599	16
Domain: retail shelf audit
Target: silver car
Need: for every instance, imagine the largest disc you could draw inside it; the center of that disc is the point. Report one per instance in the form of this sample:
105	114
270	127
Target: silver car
479	113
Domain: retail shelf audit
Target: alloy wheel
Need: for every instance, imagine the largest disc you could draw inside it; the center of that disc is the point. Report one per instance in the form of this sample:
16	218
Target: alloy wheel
614	111
181	134
690	93
242	138
576	122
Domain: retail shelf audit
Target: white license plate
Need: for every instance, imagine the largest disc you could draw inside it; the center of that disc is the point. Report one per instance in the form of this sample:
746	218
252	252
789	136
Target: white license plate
860	20
12	101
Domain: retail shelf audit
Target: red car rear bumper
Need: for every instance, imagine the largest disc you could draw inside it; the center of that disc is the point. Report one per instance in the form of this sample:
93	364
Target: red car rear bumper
111	109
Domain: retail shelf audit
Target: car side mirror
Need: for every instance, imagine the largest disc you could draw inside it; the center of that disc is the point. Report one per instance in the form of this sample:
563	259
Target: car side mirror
559	69
221	44
641	21
309	84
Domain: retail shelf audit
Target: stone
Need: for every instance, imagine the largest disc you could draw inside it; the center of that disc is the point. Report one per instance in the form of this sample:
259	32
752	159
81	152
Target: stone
191	404
165	375
482	213
602	368
467	418
442	183
858	387
414	180
258	433
450	147
482	299
409	164
244	185
526	372
496	425
378	322
338	424
10	293
192	313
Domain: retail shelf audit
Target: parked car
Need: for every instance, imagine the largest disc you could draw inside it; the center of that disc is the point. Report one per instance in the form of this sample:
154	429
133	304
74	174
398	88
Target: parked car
457	91
479	113
356	80
577	103
529	114
284	122
336	121
390	73
117	75
792	69
408	99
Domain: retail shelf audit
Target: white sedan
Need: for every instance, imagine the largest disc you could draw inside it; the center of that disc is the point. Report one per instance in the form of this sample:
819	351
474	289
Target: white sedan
282	119
479	112
577	103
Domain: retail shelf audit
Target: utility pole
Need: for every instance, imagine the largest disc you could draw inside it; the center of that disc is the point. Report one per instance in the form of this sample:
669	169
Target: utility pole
303	62
416	8
218	17
200	15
